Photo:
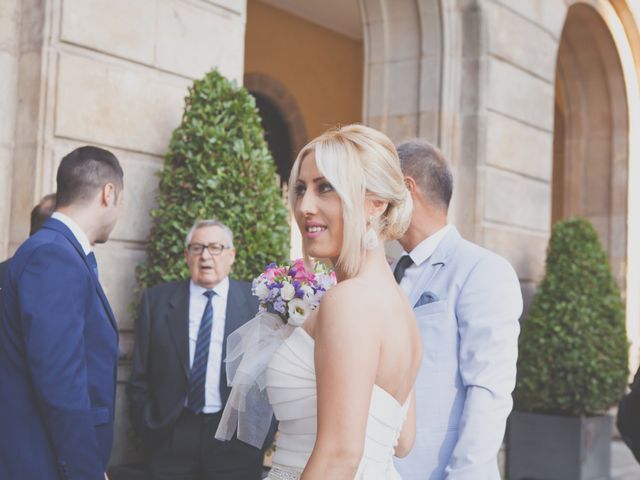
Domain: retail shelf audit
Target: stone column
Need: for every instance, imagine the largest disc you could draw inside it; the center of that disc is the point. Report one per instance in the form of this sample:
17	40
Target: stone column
10	13
111	73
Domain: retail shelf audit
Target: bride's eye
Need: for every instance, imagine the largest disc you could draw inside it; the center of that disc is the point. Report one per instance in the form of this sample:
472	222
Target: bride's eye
299	189
325	187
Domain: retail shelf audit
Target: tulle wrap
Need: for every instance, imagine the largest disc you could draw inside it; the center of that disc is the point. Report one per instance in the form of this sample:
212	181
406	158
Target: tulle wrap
249	350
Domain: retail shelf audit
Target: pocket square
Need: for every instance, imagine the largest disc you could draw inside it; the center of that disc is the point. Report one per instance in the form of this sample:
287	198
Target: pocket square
425	298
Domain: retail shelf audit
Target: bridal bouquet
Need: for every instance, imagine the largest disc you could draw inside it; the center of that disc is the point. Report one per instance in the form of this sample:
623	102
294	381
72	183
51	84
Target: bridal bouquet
287	295
292	291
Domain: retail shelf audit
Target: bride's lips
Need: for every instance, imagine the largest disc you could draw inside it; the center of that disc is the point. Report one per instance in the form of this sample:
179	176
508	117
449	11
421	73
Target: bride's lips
314	229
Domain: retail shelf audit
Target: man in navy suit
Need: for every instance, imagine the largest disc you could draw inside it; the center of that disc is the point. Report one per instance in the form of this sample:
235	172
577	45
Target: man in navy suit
58	335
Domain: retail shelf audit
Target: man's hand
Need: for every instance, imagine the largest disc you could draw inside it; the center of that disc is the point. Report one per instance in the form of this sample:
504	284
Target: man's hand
106	477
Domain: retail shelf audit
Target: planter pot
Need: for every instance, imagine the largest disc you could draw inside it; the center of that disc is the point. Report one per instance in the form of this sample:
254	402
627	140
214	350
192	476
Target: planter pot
550	447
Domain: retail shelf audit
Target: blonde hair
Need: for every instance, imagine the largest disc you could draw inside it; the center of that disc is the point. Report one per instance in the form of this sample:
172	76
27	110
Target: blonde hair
359	162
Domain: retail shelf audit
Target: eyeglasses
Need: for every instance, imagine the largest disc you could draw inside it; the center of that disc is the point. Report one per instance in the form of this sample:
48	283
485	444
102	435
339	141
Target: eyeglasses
198	248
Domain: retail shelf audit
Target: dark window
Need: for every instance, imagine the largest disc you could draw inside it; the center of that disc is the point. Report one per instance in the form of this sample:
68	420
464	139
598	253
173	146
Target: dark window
276	135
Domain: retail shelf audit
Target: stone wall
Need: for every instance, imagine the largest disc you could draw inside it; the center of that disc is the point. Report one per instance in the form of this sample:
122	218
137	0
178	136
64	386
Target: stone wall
9	54
112	73
516	115
477	78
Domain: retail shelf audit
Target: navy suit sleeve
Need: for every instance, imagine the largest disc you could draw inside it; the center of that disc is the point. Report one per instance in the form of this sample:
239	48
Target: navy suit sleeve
55	289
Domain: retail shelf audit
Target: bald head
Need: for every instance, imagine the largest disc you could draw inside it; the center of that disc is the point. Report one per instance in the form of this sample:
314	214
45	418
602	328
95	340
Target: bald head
425	163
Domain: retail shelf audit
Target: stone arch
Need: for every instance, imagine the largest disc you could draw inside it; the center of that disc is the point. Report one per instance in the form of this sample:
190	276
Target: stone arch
271	91
413	82
597	110
403	49
591	131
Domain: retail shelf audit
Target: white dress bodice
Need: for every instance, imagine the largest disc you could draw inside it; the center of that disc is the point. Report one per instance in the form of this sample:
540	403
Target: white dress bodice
291	387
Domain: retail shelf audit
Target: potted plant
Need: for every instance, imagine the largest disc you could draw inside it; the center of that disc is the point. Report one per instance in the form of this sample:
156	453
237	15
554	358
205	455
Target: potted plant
572	366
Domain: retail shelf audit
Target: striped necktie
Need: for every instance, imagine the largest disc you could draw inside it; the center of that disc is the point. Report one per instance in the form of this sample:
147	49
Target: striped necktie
198	374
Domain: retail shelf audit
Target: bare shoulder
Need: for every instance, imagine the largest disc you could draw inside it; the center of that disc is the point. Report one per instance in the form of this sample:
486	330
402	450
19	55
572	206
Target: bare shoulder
342	308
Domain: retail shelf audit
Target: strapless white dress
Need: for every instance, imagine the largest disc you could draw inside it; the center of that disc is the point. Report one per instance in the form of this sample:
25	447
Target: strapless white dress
291	387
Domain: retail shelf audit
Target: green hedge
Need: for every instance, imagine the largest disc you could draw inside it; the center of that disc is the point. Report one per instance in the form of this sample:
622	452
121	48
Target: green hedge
573	348
218	166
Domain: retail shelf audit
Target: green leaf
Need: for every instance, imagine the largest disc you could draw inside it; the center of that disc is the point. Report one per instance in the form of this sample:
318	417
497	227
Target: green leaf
573	351
218	166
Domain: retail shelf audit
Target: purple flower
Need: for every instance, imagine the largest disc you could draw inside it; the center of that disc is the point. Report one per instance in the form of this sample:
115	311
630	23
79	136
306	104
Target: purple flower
274	293
279	305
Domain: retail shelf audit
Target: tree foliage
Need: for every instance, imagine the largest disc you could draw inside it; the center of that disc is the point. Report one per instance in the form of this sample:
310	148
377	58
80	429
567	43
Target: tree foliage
218	166
573	348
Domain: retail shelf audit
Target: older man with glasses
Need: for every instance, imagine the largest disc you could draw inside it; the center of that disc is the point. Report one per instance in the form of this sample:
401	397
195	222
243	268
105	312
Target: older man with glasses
178	386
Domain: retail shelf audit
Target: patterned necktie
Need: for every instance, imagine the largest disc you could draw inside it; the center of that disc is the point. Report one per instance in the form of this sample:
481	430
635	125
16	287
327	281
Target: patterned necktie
404	263
198	374
91	258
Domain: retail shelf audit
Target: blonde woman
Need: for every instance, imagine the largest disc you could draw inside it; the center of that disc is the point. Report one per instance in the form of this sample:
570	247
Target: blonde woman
341	385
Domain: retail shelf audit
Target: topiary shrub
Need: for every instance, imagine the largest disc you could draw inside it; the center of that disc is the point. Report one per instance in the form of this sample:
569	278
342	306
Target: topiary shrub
218	166
573	347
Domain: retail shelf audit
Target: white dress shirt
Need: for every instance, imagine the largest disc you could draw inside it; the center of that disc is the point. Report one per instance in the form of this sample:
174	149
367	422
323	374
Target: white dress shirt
76	230
197	304
420	254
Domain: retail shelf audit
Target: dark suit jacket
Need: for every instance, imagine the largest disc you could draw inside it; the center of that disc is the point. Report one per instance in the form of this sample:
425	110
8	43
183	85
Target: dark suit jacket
159	380
3	266
58	362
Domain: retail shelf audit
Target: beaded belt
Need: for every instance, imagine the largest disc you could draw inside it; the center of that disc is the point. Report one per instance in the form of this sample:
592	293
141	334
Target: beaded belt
279	472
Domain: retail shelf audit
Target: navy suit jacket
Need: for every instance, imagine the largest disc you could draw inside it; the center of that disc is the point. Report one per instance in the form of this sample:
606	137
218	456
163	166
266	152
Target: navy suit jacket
3	266
58	362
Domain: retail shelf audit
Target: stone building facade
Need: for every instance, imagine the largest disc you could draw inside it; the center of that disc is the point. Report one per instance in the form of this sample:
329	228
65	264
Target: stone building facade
533	101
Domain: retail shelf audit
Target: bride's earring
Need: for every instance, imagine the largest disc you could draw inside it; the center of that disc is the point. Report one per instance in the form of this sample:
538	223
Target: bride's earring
370	239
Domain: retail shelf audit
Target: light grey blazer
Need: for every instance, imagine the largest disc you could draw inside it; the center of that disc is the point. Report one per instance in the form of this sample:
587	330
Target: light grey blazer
467	302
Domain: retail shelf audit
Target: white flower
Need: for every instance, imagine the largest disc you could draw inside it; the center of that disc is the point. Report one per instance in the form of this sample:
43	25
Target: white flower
325	281
261	291
309	295
287	292
298	312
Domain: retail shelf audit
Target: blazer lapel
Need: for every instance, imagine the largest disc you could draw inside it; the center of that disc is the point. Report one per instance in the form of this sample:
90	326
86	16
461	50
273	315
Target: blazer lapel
435	263
178	322
236	314
60	227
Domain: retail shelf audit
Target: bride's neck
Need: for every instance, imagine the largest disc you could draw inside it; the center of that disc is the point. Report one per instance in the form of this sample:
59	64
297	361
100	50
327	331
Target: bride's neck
374	260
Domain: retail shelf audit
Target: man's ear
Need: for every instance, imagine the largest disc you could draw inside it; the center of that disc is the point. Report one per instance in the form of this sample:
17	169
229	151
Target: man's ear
109	194
411	184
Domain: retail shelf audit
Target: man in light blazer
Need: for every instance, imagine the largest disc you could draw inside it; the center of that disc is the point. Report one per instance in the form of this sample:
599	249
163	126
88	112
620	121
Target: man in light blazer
178	386
467	302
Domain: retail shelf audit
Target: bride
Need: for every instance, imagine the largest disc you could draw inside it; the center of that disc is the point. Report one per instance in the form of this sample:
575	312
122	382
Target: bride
341	385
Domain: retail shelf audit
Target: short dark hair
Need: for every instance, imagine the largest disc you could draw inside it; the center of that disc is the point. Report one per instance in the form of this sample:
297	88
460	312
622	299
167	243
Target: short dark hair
83	172
42	211
425	163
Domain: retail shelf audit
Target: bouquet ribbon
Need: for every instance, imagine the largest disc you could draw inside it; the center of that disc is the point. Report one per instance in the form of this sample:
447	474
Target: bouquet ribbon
249	351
